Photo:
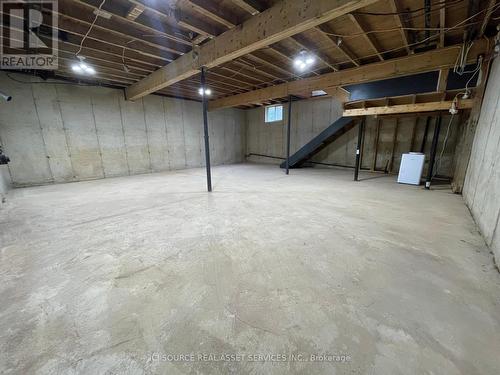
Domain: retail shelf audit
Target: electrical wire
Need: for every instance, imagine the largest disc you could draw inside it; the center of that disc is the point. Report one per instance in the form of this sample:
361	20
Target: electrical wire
408	17
460	63
125	66
445	4
461	24
344	36
90	28
458	25
473	75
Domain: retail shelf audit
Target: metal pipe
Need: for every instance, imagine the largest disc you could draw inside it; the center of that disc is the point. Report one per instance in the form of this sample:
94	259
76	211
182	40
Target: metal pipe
435	139
5	96
424	138
358	148
265	156
288	130
375	144
205	129
315	162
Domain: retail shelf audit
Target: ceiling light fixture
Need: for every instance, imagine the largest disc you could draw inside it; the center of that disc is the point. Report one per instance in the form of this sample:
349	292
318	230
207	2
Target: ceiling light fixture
303	60
208	92
81	67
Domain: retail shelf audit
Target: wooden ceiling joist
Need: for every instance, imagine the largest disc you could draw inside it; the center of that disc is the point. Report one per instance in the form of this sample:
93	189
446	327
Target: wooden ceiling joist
304	44
395	8
210	10
167	32
282	20
141	36
368	37
251	6
337	43
407	65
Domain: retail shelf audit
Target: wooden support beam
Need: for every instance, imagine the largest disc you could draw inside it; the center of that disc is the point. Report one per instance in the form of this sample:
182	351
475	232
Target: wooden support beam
407	65
442	80
407	108
339	93
284	19
253	8
196	25
209	10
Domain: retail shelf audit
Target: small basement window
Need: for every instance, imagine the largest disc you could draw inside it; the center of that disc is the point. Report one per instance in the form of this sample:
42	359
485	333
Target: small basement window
274	113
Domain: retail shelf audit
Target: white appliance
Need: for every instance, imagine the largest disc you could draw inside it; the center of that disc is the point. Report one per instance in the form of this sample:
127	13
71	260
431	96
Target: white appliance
410	170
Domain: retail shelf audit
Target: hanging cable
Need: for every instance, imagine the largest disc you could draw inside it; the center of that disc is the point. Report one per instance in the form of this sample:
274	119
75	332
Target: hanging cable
90	28
460	24
444	4
476	71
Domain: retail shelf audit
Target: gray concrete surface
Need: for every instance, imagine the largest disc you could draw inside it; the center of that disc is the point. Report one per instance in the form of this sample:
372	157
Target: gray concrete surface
96	276
64	132
310	117
482	182
4	182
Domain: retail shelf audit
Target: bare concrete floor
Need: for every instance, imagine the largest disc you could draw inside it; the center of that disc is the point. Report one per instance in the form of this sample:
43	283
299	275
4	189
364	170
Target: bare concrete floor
98	277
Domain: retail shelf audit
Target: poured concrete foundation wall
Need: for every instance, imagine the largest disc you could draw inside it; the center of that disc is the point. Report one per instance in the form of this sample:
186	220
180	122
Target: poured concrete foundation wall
4	182
65	132
310	117
482	183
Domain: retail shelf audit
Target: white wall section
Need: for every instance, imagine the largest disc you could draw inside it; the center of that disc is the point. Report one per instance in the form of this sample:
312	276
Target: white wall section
60	132
482	182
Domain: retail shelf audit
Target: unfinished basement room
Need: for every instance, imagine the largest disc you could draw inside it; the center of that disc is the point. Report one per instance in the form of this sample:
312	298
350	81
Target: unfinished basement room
250	187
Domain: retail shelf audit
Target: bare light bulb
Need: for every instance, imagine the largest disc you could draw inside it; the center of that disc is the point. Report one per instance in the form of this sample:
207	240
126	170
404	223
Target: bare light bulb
81	67
207	91
303	61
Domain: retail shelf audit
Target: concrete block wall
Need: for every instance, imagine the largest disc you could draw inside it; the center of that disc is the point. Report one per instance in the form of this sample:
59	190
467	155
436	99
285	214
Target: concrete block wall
310	117
482	182
65	132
